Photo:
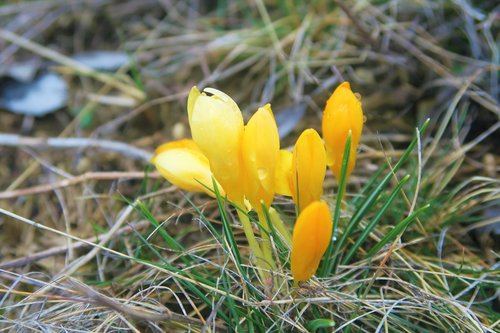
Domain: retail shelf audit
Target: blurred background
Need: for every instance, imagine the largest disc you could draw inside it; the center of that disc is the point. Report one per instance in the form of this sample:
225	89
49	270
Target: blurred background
88	88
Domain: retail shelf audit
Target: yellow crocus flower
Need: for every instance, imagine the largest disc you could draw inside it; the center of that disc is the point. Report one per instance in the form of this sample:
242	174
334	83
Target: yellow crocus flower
310	240
217	128
183	164
260	154
308	168
342	114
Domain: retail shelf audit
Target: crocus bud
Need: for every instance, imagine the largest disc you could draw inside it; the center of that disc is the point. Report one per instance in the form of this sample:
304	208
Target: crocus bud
308	168
183	164
310	240
342	114
260	155
217	128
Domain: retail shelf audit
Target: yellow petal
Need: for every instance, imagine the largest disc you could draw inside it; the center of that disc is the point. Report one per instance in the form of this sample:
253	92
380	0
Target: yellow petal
284	173
260	154
183	143
192	97
310	240
308	168
186	168
342	114
217	128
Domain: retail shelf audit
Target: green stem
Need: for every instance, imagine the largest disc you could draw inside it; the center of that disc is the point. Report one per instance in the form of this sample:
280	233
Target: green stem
280	226
266	240
252	241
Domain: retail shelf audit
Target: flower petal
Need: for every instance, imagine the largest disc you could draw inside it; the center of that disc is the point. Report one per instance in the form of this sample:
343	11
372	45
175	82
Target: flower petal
308	168
186	168
217	128
183	143
192	97
284	173
310	240
343	113
260	154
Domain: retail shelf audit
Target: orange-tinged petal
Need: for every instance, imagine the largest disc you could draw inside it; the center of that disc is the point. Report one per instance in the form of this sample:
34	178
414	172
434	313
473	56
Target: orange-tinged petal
260	154
343	113
183	143
186	168
308	168
310	240
217	128
283	173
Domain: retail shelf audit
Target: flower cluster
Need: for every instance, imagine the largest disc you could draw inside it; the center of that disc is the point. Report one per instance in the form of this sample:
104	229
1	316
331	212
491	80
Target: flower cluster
247	166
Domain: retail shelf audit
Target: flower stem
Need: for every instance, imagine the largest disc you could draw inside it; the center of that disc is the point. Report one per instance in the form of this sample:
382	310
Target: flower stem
280	226
266	240
252	241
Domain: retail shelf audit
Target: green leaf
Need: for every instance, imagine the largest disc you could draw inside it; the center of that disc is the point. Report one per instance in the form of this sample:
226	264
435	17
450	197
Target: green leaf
86	118
372	197
316	324
397	230
328	263
171	242
368	229
228	233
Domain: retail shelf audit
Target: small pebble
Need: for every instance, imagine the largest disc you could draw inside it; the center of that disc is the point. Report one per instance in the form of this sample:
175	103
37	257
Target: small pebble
179	131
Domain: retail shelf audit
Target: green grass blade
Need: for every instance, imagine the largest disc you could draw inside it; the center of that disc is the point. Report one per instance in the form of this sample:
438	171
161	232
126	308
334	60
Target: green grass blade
373	223
370	200
317	324
190	286
171	242
369	185
206	222
398	229
328	263
226	226
229	302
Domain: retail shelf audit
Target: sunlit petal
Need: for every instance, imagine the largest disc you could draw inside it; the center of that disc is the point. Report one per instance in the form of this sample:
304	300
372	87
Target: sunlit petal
185	168
260	154
310	240
183	143
308	168
217	128
284	173
342	114
192	97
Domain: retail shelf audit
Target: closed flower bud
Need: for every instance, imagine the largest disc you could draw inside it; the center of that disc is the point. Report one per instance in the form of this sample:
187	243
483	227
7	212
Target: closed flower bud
310	240
342	114
308	168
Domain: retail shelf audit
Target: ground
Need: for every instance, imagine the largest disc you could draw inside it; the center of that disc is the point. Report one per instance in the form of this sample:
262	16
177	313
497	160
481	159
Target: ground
94	239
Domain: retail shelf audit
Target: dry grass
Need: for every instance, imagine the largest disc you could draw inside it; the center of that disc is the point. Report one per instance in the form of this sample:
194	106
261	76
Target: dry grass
150	258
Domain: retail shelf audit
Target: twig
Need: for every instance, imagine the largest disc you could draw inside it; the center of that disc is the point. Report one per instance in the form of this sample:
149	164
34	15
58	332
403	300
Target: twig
82	143
133	311
58	250
364	33
76	180
67	61
117	122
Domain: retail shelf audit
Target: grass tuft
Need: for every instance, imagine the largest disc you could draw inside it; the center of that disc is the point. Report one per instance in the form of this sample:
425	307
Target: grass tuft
93	241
